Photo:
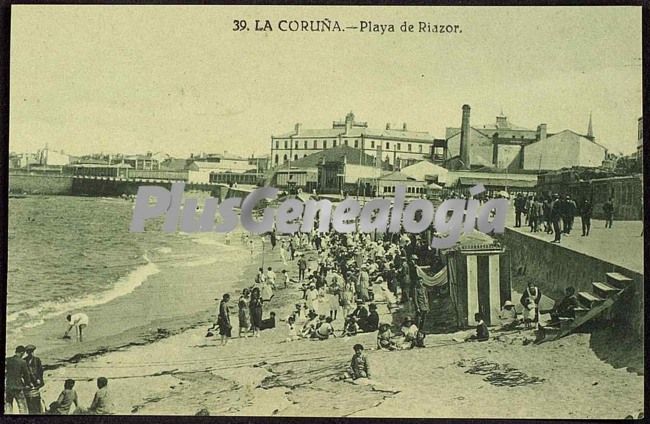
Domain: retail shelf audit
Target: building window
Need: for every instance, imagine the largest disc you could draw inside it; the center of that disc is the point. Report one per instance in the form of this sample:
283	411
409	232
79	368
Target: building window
356	144
286	145
295	157
420	146
285	158
276	159
315	144
305	155
305	144
324	144
387	146
372	144
277	144
334	143
345	142
399	146
410	147
296	144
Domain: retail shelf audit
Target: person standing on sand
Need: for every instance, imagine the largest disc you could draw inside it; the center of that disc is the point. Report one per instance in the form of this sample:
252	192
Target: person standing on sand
283	251
302	266
78	321
17	378
256	311
244	313
225	328
533	293
33	394
274	239
251	245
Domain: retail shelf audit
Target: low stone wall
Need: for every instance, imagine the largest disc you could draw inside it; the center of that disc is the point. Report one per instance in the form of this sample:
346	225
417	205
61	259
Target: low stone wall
554	267
39	184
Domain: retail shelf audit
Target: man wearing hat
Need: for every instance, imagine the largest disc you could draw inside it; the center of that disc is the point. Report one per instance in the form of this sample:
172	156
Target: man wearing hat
508	315
33	394
556	215
17	378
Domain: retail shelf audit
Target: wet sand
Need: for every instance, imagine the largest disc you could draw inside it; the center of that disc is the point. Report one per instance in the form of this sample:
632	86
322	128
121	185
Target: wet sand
184	373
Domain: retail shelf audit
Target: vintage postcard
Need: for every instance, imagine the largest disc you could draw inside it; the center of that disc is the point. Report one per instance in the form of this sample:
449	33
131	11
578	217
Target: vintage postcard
398	212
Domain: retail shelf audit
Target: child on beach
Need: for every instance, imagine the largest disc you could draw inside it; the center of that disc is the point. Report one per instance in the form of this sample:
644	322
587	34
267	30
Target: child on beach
482	333
244	313
359	366
384	338
293	333
65	400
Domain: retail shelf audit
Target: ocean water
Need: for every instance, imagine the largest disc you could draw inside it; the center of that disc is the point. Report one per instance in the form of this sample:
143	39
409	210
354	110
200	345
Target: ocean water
72	254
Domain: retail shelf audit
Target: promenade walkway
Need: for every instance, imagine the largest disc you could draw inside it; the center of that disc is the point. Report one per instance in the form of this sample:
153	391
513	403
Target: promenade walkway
621	245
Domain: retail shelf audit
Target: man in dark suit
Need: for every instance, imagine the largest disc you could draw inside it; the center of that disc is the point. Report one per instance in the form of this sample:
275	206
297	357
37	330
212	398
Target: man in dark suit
556	215
16	380
35	367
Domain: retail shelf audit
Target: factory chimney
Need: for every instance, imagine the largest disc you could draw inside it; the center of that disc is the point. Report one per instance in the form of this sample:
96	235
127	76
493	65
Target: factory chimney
464	138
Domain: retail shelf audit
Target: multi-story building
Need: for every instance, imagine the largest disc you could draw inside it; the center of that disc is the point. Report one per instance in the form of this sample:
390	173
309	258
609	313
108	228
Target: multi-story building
398	147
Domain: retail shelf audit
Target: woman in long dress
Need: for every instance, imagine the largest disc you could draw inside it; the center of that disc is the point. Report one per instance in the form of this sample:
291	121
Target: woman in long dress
256	311
244	313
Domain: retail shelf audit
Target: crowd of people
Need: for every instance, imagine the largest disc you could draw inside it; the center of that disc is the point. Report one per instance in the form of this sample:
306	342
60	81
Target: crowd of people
555	214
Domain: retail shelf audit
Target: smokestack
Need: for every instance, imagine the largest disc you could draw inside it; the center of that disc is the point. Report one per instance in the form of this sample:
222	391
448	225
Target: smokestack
541	132
298	128
404	127
464	138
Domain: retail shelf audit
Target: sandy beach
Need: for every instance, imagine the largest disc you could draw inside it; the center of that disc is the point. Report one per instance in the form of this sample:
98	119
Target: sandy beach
183	373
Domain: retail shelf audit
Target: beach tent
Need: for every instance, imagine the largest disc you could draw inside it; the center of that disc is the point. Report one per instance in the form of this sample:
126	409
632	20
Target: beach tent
478	272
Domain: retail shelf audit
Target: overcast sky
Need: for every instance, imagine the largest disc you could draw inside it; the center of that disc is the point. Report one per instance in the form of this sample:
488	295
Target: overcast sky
178	79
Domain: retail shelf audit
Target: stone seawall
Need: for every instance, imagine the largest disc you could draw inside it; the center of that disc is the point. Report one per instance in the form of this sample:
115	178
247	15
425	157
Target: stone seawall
554	267
40	184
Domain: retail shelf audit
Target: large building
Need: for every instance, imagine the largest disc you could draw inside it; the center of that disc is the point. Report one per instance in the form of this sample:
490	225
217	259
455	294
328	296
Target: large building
397	146
498	145
565	149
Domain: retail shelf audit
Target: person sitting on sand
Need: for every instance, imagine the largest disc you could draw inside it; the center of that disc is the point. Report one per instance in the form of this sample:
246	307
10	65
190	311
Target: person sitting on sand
385	338
482	333
350	327
65	400
371	322
78	321
102	403
311	325
565	308
324	330
359	365
508	316
293	332
409	333
268	323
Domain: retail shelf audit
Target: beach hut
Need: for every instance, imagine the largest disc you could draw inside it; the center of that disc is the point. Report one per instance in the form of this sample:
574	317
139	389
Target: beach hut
478	273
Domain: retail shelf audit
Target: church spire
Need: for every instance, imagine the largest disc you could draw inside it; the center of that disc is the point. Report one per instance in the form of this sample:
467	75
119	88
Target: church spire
590	130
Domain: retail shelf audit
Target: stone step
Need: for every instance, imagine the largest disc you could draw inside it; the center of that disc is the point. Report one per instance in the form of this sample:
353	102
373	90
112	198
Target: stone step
589	300
615	279
604	290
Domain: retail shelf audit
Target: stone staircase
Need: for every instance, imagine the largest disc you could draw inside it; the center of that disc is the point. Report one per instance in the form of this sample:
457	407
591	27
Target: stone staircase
593	304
